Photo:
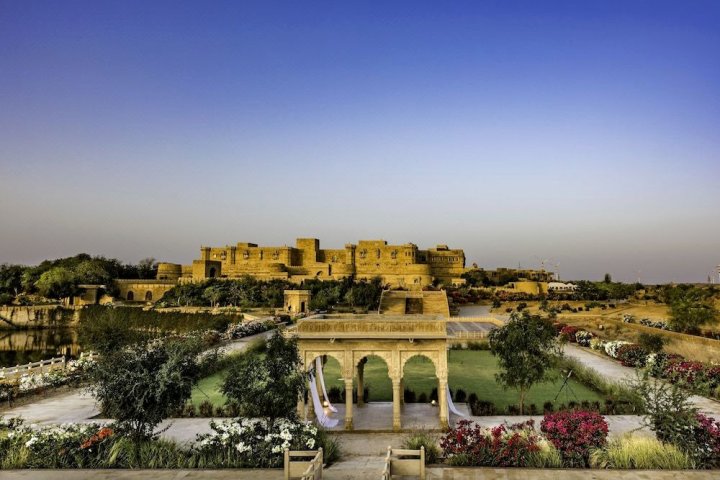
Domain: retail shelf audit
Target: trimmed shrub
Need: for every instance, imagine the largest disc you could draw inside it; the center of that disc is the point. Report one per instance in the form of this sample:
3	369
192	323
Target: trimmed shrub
632	355
574	434
583	338
568	333
501	446
460	395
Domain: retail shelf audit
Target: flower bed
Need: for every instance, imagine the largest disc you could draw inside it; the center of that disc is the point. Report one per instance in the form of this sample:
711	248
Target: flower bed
235	444
503	446
251	443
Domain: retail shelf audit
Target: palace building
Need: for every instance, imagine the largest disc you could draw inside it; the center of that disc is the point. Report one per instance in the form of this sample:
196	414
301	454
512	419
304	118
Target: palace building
397	265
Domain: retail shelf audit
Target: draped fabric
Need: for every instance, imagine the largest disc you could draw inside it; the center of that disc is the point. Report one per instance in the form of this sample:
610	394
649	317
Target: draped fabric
451	405
321	375
322	419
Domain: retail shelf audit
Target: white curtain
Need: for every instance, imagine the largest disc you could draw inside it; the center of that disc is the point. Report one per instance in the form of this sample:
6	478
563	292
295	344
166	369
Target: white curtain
321	375
451	405
323	419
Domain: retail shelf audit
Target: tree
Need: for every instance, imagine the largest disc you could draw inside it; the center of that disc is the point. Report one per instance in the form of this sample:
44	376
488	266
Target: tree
690	308
144	383
608	278
147	268
58	282
524	348
11	279
268	386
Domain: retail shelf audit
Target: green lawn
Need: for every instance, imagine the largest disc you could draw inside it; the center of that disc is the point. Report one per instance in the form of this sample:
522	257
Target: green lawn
473	371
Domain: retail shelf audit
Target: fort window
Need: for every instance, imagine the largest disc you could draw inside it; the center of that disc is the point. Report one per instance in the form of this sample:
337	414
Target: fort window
130	296
148	296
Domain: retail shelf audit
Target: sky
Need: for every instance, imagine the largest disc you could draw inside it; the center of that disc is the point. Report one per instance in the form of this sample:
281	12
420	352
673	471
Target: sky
581	135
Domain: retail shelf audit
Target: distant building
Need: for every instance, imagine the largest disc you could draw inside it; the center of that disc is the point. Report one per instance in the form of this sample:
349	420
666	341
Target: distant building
396	265
559	287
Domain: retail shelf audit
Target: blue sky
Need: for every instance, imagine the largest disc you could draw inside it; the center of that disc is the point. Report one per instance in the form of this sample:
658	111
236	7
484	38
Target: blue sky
582	132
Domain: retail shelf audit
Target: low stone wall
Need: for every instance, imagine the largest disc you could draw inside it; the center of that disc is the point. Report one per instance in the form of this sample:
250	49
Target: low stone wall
38	316
472	473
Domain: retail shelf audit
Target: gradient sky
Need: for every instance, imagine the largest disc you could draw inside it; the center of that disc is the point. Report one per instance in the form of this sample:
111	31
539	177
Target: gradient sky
583	132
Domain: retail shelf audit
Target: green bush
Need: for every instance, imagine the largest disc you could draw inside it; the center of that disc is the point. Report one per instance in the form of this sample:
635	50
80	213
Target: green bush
429	440
652	342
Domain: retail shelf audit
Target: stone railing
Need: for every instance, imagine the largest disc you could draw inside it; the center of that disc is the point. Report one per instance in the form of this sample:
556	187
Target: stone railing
57	363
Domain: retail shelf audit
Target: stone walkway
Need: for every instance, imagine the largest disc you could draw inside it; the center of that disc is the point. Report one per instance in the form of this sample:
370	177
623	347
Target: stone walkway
615	372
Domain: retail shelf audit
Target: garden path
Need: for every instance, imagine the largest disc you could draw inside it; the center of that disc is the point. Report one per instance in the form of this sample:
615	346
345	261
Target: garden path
612	370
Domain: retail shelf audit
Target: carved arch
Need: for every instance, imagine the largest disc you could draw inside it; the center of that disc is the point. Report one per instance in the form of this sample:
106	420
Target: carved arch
433	356
310	357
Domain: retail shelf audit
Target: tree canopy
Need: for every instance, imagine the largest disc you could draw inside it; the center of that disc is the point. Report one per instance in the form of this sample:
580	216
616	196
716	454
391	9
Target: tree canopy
268	386
524	349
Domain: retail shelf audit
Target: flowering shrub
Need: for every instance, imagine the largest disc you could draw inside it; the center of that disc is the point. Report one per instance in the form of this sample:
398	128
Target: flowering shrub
611	348
632	355
501	446
251	443
57	446
707	438
597	344
568	333
684	371
574	433
245	329
655	324
559	327
583	338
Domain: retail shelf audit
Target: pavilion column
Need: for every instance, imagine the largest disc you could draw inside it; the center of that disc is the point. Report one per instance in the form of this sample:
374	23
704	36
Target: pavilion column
442	400
360	384
396	405
348	404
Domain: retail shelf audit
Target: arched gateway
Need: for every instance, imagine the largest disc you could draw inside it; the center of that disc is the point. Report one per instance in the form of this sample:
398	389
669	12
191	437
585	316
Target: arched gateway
350	339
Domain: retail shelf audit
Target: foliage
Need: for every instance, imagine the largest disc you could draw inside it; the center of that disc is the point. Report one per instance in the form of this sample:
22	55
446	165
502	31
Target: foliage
127	323
635	452
612	348
422	438
11	279
468	444
58	282
523	347
574	434
690	308
96	446
632	355
268	387
256	443
142	384
652	342
583	338
568	333
674	420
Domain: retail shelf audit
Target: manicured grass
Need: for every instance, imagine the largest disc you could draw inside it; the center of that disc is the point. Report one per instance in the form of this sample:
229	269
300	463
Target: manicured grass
473	371
209	389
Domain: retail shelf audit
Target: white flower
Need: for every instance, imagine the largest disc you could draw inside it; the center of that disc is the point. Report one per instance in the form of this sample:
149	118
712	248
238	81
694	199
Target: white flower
242	448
